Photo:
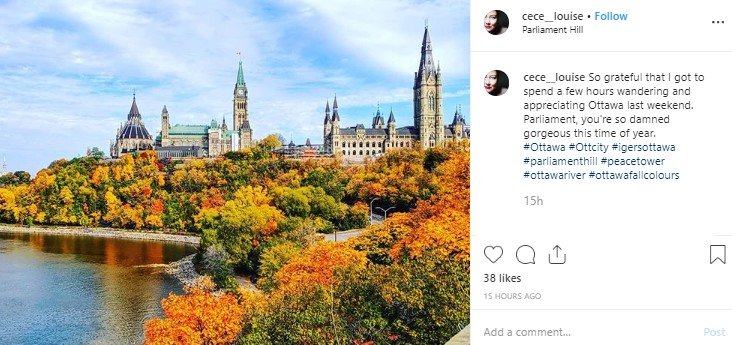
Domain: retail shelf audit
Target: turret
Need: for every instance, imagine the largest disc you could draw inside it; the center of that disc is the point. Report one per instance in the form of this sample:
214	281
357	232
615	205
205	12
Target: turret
336	119
326	120
327	113
391	125
378	121
327	129
164	126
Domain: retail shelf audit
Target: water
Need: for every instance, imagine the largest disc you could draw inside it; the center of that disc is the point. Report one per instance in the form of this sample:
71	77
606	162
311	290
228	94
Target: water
63	289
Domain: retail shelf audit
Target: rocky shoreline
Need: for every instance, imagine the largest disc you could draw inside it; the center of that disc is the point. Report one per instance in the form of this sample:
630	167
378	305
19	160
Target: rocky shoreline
101	232
183	270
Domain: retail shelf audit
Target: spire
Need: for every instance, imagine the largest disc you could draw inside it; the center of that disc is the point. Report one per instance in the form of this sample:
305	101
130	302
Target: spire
378	121
240	76
165	109
134	128
336	116
391	116
327	113
426	62
134	112
456	118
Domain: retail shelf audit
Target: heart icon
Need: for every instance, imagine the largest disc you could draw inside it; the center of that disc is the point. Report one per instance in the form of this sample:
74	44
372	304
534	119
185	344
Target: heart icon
493	253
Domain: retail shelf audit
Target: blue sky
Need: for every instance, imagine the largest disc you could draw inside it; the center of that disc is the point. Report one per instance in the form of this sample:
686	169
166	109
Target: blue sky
68	68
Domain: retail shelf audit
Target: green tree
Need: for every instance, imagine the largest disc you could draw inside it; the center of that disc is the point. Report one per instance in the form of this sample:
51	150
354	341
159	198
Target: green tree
246	221
273	258
331	180
321	204
293	202
14	179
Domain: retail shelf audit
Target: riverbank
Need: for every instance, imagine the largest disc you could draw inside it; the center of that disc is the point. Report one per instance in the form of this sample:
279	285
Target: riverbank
101	232
183	270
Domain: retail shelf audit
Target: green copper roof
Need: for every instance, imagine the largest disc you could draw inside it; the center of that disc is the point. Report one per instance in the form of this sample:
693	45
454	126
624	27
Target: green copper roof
240	76
188	130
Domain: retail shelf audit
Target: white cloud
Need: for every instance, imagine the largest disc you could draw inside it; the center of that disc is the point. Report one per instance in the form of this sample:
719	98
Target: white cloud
67	68
389	33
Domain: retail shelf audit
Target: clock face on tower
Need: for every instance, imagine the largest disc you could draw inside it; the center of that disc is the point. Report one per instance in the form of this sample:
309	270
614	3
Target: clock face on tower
240	92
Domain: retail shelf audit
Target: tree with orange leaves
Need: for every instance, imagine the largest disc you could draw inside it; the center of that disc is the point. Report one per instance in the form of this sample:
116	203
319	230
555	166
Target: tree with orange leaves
304	299
197	317
442	223
316	265
416	289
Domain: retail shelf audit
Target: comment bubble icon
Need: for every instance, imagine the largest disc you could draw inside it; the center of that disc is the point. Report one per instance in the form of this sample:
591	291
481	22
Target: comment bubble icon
526	255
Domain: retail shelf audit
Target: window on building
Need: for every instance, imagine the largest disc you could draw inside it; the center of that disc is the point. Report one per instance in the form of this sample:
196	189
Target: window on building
360	153
354	152
344	152
344	144
367	144
360	144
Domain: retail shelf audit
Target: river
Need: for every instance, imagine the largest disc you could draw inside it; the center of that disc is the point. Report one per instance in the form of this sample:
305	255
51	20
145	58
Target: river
67	289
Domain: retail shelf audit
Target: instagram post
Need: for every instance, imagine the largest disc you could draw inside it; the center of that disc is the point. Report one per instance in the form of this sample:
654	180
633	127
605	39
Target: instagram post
237	172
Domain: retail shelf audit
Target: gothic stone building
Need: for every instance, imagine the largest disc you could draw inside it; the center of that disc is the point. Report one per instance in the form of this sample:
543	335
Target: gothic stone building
183	141
359	142
132	135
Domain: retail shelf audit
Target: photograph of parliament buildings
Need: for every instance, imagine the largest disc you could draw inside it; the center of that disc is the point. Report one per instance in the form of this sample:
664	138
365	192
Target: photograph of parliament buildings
352	144
320	182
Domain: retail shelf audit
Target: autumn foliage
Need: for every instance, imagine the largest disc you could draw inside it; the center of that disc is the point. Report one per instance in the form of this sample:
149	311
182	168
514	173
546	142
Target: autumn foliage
441	224
197	317
404	280
316	266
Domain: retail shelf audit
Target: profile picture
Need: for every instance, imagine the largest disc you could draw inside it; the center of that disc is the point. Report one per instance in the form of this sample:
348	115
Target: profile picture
495	83
496	22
